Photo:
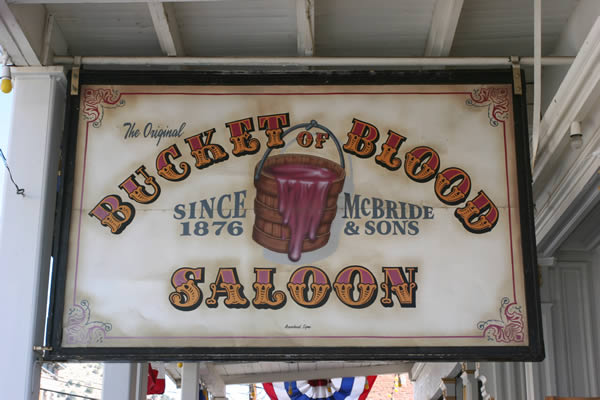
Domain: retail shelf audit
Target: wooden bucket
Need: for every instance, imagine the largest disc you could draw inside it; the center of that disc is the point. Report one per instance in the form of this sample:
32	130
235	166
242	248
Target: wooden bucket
269	230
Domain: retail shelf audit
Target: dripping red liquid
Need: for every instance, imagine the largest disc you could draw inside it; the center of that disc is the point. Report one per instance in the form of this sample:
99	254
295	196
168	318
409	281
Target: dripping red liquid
303	193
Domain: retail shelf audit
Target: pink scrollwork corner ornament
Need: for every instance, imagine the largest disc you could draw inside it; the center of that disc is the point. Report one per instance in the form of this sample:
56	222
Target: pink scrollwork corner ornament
496	99
96	100
509	328
79	330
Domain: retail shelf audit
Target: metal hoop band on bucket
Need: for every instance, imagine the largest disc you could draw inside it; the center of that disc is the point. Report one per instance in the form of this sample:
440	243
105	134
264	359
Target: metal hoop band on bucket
307	126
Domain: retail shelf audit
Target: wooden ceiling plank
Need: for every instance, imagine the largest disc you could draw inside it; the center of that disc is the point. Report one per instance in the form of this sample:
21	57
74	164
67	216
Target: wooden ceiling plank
305	22
443	27
165	25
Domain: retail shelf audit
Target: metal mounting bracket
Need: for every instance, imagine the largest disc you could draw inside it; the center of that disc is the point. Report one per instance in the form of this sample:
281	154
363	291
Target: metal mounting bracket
75	76
42	348
516	70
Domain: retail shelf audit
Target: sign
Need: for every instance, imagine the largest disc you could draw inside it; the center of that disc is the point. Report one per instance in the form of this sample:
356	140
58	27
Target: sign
387	220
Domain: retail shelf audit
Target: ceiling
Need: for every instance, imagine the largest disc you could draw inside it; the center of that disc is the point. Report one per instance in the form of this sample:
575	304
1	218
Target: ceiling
214	375
235	28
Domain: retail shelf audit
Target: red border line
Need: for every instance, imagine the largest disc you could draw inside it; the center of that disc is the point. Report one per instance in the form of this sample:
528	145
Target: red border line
512	260
290	337
283	93
87	128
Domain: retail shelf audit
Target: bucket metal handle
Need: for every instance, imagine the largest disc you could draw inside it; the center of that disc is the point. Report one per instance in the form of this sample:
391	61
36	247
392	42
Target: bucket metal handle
307	126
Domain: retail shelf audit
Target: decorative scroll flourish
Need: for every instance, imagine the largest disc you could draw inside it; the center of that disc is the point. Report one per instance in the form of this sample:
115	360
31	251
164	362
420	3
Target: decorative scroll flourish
510	326
80	330
496	99
94	102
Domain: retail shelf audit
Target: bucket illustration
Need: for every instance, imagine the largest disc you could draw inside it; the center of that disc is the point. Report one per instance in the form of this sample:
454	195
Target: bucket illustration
296	198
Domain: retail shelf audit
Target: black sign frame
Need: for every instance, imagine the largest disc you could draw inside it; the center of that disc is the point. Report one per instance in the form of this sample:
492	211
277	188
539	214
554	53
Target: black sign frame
533	352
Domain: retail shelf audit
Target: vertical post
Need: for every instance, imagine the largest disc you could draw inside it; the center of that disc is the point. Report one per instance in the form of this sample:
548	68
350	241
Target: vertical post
549	366
466	387
470	389
141	387
190	384
213	380
27	224
120	381
530	382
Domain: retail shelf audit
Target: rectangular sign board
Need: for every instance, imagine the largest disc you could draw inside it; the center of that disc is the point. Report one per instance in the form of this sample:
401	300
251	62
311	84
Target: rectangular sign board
336	216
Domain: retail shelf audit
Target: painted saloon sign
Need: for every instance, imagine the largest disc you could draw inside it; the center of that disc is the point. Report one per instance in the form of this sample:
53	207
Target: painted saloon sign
286	219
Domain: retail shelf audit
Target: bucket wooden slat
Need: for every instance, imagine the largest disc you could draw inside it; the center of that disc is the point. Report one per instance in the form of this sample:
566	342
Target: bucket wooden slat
273	201
269	230
270	221
269	227
281	246
260	223
276	230
270	214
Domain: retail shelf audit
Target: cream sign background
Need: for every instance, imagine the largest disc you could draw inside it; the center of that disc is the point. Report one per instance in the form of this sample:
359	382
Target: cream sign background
128	261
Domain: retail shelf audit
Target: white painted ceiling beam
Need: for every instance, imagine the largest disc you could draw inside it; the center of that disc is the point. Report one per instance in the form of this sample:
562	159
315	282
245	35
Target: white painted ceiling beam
97	1
10	46
325	373
211	378
393	62
305	22
566	187
54	41
573	100
443	27
570	204
165	25
14	40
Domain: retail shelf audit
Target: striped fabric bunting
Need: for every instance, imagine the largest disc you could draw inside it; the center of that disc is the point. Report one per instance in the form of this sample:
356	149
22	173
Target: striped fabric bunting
354	388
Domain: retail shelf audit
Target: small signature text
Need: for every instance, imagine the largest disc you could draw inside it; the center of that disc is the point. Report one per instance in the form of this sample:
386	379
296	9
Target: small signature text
297	326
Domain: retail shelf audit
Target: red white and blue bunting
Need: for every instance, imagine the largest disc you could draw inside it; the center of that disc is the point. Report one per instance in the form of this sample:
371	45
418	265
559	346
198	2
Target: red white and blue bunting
355	388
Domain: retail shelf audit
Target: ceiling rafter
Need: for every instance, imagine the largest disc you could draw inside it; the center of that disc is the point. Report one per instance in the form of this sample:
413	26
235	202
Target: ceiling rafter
573	101
574	193
305	22
13	39
54	41
95	1
165	26
212	379
318	373
10	46
443	27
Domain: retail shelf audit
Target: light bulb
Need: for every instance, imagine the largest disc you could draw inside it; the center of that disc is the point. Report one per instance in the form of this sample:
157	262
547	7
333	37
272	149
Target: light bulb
576	135
577	141
6	85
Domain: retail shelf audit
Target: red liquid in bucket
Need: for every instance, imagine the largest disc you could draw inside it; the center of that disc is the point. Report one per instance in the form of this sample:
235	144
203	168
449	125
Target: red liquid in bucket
303	193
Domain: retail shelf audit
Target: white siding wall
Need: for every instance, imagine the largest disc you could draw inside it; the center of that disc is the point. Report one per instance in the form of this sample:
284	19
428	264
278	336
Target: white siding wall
570	309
